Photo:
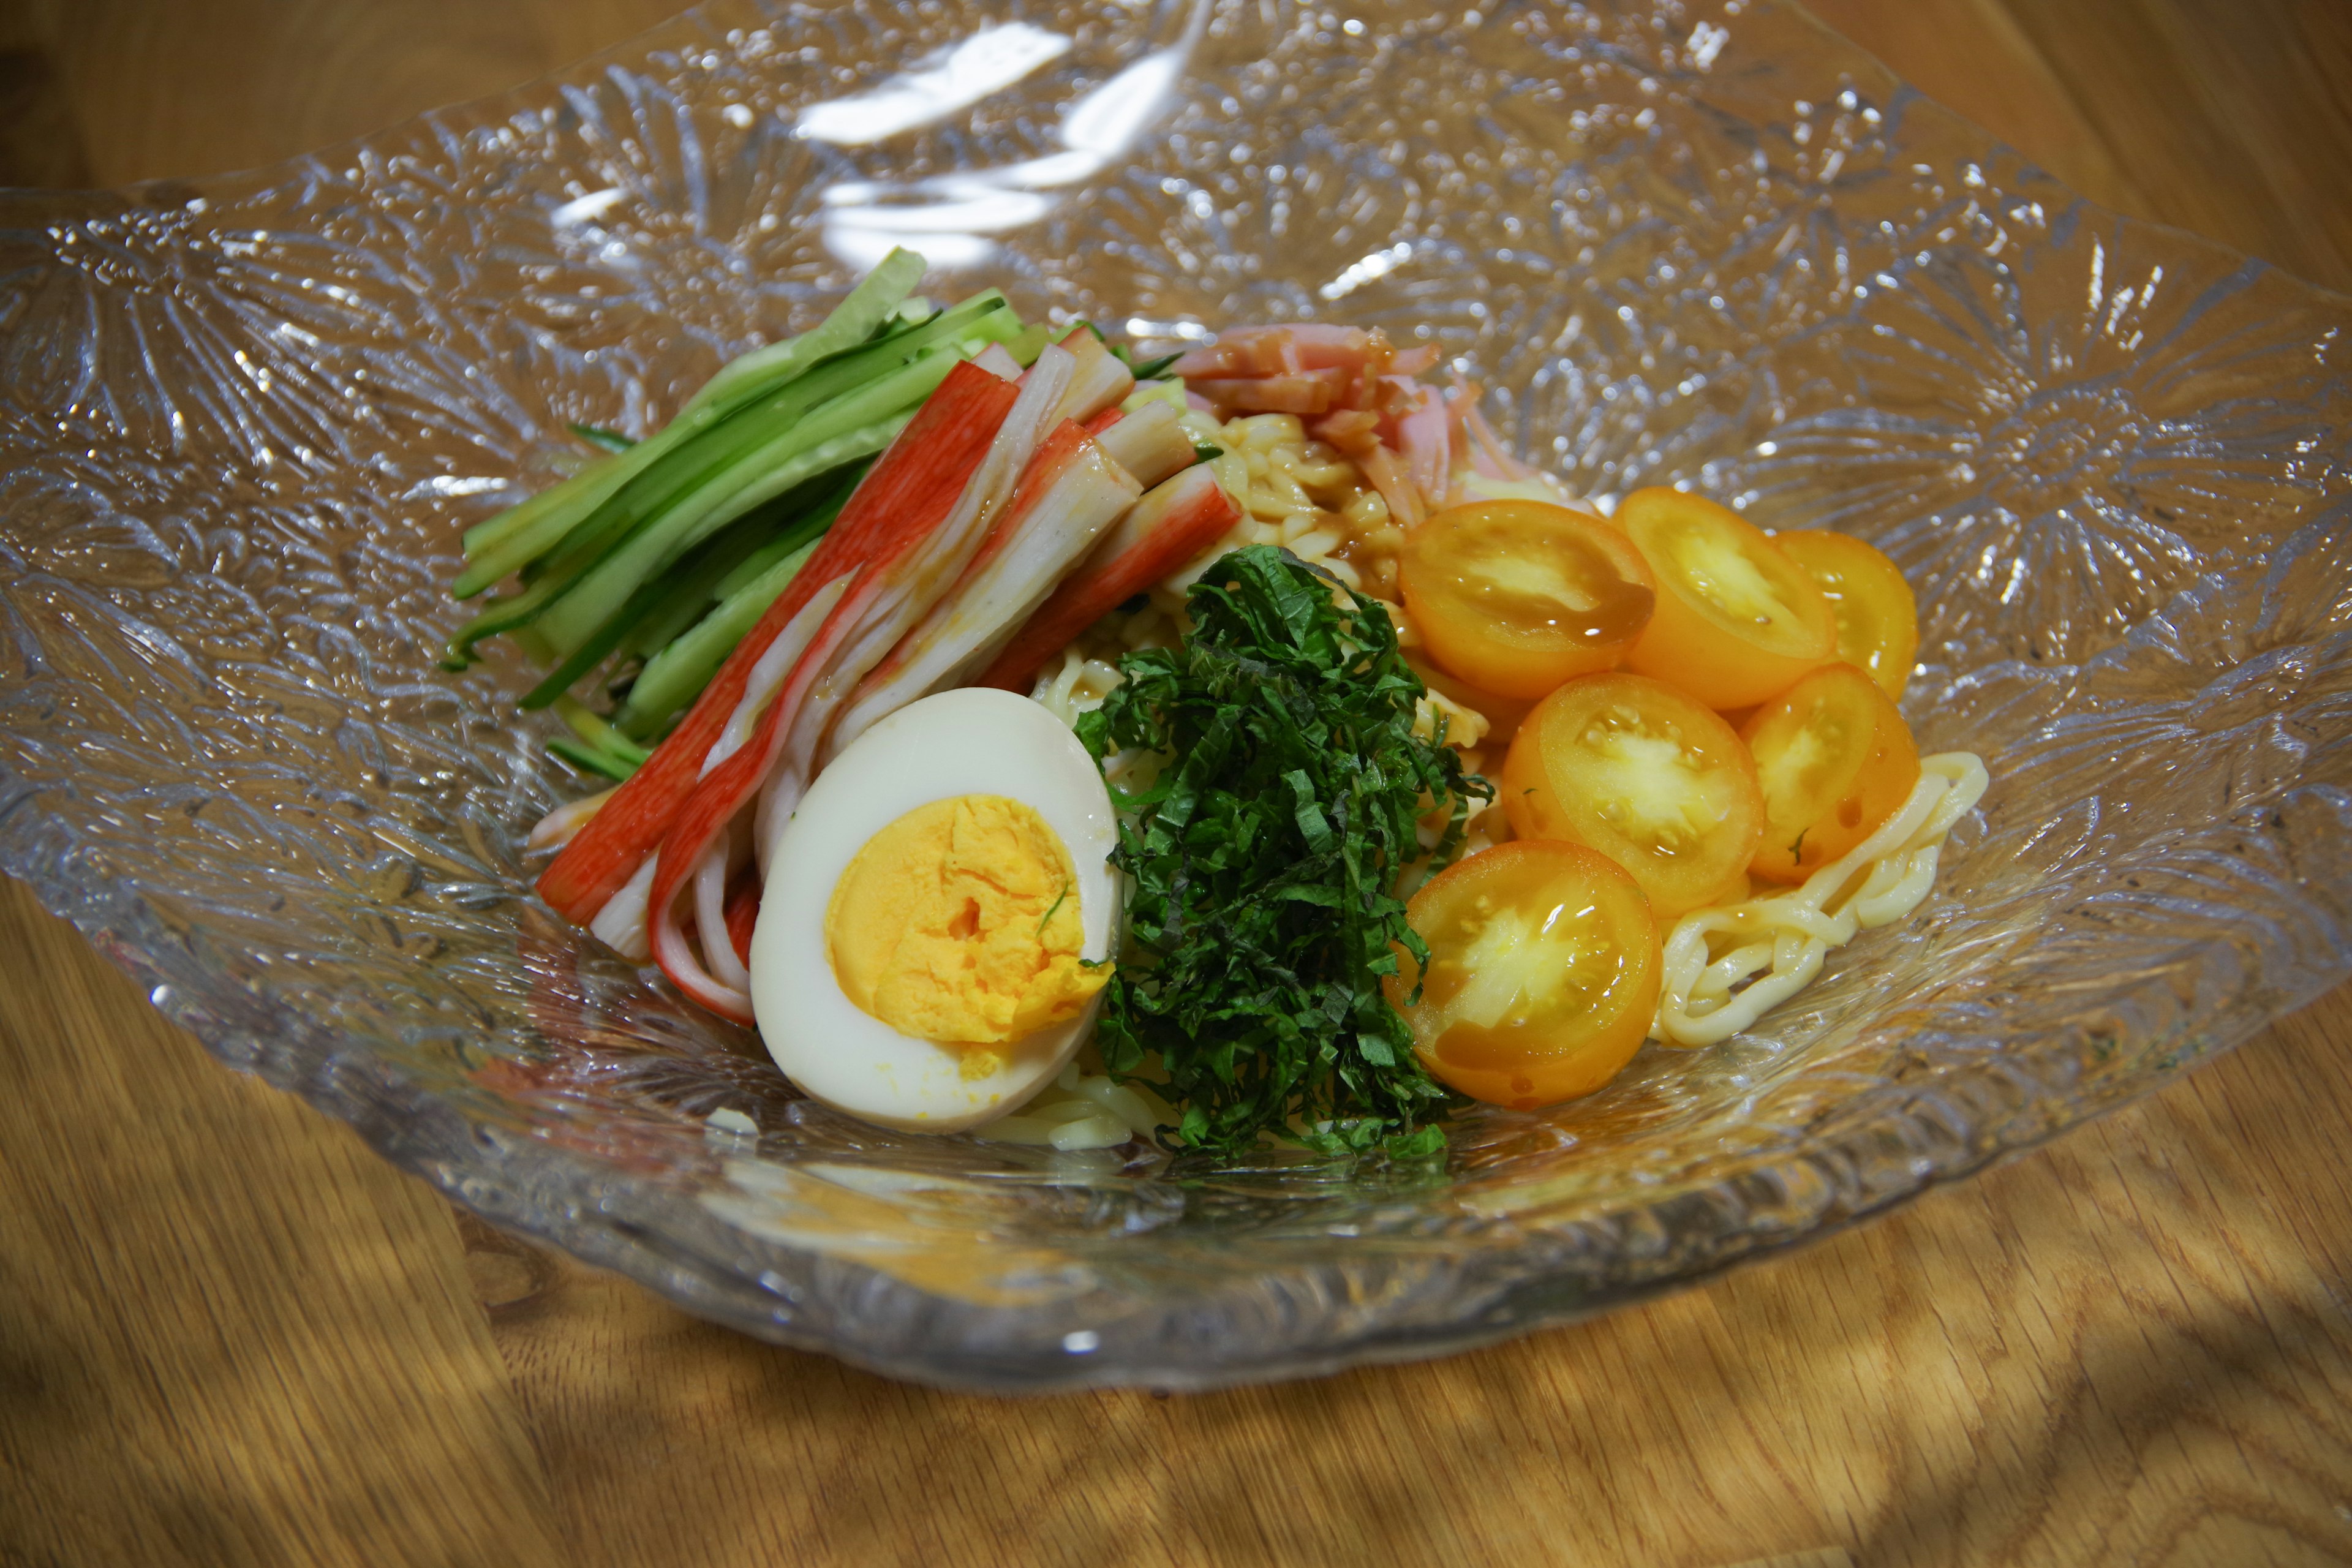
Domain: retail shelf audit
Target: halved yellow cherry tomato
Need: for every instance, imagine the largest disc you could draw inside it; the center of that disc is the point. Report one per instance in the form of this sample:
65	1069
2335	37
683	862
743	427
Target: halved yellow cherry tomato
1877	618
1737	620
1516	596
1542	977
1645	775
1834	760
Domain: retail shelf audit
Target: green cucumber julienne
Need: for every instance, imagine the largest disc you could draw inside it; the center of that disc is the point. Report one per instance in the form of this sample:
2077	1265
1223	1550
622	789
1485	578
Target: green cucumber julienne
865	308
841	431
740	551
676	675
691	586
765	428
653	591
608	440
521	535
780	541
588	759
524	532
598	731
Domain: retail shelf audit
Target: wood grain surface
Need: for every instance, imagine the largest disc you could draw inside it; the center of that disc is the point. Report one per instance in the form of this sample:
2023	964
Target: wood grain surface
229	1335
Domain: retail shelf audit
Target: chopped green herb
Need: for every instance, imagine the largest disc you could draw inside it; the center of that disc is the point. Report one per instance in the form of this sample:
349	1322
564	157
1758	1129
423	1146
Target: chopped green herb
1205	453
1151	369
1266	856
1046	918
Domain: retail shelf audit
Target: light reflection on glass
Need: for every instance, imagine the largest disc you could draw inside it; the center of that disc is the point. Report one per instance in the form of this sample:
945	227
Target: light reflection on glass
989	61
949	216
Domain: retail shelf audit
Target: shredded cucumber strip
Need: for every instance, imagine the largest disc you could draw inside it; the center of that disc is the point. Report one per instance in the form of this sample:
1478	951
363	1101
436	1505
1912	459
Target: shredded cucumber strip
766	431
656	593
842	431
869	306
511	540
674	677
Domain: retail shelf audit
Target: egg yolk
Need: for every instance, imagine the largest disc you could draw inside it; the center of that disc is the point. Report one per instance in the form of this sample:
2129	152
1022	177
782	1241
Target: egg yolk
959	922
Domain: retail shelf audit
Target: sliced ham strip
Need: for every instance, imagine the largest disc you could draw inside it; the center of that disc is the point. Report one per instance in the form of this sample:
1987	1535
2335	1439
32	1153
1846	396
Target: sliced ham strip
1304	392
1481	448
1354	431
1426	441
1387	472
1278	351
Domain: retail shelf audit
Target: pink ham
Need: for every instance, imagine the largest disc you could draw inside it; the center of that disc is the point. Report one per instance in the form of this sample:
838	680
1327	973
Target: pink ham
1425	438
1477	443
1278	351
1305	392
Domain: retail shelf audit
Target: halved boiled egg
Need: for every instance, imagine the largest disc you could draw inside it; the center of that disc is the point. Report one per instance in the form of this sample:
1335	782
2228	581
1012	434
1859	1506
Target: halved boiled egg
939	916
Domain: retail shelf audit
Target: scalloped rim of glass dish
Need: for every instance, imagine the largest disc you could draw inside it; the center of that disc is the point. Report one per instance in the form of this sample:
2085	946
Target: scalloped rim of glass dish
614	1221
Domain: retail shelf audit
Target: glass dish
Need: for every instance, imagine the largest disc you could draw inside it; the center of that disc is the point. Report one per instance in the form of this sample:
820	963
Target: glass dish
245	419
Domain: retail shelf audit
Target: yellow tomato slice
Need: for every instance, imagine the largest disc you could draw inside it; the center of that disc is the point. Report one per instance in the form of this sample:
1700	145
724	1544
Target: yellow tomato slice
1833	759
1645	775
1516	596
1737	621
1542	976
1877	618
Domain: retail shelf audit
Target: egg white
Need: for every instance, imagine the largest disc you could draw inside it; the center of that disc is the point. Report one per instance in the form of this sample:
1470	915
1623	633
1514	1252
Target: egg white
977	741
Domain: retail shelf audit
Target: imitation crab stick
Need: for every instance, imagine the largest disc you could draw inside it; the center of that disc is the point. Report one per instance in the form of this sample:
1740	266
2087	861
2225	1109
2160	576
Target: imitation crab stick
743	914
1150	443
1097	380
1161	532
929	576
1070	496
882	683
912	561
918	480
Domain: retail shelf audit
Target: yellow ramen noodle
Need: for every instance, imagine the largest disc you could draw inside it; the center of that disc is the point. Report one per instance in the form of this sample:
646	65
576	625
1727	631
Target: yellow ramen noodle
1725	965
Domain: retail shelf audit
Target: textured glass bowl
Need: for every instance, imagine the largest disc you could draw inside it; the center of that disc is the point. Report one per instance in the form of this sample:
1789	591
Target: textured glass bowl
243	421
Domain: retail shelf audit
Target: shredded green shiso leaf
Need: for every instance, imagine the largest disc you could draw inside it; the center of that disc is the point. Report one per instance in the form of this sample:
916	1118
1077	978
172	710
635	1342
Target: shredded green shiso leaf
1264	857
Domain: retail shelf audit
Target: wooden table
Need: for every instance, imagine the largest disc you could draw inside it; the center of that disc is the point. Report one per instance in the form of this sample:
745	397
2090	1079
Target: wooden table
229	1335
